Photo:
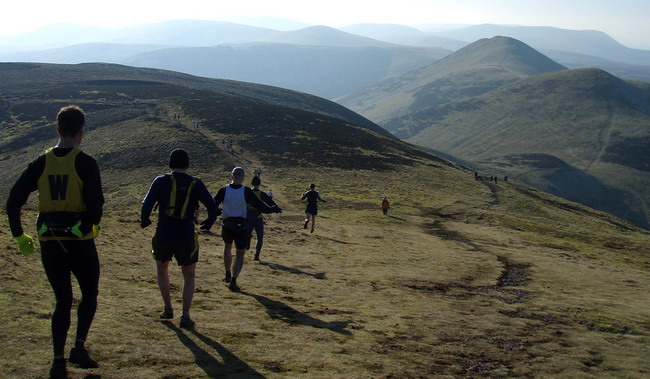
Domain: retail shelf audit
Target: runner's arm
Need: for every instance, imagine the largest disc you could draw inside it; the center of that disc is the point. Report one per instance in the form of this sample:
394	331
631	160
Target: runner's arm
261	206
150	200
26	184
93	195
207	200
319	198
221	194
267	199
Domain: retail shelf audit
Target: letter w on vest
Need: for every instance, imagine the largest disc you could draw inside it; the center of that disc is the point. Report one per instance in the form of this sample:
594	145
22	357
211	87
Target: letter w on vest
58	186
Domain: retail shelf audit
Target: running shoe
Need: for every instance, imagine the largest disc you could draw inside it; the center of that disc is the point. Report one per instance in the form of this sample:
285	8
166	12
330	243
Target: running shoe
58	369
233	286
186	322
306	223
80	357
167	314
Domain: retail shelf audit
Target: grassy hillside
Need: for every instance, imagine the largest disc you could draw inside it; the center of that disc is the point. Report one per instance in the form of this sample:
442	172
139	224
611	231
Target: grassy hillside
463	278
593	122
485	65
71	81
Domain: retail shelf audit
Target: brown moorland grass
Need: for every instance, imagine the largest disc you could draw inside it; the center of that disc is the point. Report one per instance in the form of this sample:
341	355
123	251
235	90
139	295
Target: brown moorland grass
462	279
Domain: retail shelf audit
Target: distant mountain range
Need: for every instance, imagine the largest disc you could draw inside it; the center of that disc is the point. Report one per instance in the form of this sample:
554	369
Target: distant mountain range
339	74
326	71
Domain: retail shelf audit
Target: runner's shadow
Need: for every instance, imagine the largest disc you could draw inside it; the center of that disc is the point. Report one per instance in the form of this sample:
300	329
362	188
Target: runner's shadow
337	241
280	311
397	218
279	267
208	362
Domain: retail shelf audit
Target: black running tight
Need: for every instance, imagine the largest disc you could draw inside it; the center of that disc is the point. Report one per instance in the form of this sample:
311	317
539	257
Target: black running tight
60	260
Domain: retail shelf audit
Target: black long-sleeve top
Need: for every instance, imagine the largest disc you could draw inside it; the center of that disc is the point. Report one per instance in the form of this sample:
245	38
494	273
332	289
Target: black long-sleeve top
170	228
88	172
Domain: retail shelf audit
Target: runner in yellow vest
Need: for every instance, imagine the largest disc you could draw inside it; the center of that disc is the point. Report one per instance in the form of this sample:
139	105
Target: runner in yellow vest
70	208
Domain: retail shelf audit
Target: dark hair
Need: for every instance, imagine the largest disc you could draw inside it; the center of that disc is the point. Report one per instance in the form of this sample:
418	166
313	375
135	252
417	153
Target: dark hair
71	120
238	171
179	159
256	181
312	186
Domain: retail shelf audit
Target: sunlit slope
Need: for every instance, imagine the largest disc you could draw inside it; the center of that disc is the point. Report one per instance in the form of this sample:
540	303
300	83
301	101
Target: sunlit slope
136	116
582	134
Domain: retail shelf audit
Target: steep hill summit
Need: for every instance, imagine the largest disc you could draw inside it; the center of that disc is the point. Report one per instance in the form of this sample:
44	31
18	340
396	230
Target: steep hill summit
484	65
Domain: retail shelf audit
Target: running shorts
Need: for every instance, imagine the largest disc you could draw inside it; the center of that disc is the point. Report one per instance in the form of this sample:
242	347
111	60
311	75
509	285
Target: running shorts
312	209
186	252
240	238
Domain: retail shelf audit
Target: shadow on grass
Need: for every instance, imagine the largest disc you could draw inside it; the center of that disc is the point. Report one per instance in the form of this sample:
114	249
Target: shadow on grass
397	218
280	311
337	241
279	267
208	362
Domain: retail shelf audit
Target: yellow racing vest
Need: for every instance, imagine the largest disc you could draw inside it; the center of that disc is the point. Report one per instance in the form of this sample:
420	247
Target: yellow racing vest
60	199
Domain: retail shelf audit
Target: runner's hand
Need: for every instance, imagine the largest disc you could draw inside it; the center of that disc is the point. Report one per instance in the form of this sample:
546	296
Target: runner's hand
144	223
277	209
25	244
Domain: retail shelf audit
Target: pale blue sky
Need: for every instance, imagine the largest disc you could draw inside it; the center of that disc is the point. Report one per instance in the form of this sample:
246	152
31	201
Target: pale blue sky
625	20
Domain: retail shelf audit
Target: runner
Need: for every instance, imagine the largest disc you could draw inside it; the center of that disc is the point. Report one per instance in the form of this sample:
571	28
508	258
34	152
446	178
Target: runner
177	195
70	202
255	219
235	198
313	197
385	206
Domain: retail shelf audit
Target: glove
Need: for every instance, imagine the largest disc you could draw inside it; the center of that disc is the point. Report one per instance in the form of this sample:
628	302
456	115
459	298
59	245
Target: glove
277	209
144	223
206	225
25	244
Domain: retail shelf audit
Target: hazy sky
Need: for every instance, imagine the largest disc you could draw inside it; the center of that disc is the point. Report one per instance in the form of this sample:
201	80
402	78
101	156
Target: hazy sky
625	20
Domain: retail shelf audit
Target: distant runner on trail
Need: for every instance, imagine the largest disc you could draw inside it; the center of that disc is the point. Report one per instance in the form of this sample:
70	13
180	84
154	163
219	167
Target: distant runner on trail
255	219
313	197
178	195
235	198
385	206
70	202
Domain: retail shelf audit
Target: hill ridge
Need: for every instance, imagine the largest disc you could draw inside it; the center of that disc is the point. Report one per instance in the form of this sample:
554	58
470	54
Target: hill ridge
482	66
